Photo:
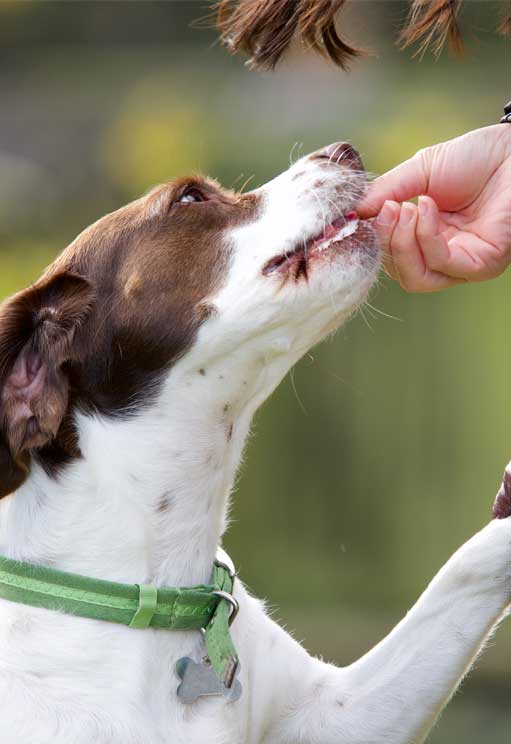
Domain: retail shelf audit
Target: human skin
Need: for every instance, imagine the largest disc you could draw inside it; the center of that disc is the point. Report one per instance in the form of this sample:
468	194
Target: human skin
460	229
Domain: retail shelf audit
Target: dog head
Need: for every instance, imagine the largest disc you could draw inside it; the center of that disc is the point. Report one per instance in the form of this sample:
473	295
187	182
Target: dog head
188	274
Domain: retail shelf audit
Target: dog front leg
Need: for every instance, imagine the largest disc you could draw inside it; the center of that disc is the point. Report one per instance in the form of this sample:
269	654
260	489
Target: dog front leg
394	693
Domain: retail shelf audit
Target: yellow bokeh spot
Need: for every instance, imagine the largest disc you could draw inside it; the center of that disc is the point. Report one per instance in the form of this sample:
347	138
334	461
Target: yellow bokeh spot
421	120
15	6
147	144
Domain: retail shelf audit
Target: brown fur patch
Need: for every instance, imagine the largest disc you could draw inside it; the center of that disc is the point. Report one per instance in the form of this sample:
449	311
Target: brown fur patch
432	23
151	268
134	285
264	29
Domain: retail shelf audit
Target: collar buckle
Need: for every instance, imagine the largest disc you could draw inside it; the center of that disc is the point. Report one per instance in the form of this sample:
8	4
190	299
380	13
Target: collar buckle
235	605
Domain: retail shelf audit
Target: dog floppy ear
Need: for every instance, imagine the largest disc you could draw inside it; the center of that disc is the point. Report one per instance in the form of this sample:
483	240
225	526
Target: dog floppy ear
38	338
13	472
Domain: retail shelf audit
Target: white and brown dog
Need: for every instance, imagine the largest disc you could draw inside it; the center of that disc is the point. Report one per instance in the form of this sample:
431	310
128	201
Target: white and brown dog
129	374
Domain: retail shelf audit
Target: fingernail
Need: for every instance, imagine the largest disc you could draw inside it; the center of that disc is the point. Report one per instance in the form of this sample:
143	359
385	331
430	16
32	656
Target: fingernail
407	213
423	206
387	214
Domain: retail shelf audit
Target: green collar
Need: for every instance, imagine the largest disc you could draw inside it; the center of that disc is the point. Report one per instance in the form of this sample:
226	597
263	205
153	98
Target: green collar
209	608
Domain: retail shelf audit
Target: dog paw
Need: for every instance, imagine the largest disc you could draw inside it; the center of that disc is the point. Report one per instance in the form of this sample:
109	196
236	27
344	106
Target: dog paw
502	504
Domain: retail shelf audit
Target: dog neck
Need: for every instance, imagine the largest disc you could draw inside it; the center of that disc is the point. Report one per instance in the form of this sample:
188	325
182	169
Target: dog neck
147	501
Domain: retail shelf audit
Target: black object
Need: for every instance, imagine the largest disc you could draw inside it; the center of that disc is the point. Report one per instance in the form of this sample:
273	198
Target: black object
506	119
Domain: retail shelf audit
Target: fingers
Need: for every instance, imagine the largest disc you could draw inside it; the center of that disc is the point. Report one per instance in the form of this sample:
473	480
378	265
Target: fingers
385	225
414	247
403	182
406	255
433	244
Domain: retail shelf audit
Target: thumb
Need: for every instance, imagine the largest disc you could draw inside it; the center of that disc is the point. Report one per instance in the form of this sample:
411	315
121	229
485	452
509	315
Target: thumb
403	182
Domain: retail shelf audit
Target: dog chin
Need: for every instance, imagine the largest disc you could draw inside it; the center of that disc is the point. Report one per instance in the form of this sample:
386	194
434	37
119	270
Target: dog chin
342	274
358	252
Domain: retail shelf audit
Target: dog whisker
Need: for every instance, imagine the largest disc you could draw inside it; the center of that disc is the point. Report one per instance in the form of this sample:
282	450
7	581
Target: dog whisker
295	391
245	184
381	312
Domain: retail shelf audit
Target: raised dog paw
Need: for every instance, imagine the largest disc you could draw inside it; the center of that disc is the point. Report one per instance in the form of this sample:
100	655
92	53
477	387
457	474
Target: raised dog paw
502	504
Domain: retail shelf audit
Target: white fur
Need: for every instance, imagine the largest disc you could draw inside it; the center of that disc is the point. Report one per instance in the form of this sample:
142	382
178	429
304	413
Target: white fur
69	680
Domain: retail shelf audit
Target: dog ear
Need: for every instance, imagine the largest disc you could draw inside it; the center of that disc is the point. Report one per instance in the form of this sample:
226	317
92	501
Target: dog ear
13	472
38	338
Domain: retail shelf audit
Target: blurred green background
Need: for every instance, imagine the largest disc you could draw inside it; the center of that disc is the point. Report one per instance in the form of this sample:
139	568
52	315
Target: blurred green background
383	451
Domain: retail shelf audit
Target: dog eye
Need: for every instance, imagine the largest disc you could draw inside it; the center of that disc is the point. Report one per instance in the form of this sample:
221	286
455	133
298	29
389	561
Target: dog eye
192	195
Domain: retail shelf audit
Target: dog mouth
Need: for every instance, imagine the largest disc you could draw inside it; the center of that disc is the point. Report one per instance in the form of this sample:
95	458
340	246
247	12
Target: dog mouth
298	258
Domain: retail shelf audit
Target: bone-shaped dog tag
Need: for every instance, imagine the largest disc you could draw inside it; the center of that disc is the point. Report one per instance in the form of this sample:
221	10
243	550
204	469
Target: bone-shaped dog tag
201	680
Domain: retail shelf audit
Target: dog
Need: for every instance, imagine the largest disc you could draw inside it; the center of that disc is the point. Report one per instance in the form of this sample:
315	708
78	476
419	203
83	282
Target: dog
129	375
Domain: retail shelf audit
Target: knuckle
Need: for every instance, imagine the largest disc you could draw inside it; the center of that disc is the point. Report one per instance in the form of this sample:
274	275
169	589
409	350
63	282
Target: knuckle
435	263
423	155
423	158
423	231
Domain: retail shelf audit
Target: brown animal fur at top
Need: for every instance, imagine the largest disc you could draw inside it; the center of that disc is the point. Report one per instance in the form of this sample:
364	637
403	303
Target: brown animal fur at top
264	29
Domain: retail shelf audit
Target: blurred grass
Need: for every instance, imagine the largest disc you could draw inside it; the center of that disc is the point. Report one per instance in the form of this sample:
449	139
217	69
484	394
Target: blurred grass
22	264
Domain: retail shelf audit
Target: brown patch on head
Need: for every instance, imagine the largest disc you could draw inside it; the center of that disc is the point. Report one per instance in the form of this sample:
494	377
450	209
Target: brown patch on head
134	285
153	264
115	311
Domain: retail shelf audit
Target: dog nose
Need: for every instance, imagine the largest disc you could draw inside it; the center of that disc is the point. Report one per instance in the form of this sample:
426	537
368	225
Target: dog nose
341	153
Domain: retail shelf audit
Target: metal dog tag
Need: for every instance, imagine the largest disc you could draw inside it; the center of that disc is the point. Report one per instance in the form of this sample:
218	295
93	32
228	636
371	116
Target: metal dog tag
201	680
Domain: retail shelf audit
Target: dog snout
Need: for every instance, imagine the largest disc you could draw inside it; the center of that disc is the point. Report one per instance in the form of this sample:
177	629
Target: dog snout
340	153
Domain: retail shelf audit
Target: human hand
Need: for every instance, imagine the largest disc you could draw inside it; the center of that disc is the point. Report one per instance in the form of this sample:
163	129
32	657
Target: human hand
460	231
